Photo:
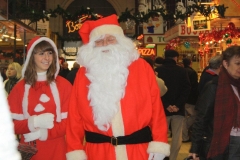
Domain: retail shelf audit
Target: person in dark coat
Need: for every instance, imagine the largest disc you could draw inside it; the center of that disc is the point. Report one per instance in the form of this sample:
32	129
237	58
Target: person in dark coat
64	72
190	113
216	131
202	129
158	61
177	82
212	70
72	74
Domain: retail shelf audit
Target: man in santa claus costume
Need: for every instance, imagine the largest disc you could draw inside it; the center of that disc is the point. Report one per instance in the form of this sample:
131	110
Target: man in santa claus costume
115	102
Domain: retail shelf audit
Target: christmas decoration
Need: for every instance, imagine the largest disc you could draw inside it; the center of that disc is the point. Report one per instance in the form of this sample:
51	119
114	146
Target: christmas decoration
187	44
33	15
173	44
227	34
130	24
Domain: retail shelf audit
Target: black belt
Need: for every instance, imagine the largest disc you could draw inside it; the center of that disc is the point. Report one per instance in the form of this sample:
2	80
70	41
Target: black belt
141	136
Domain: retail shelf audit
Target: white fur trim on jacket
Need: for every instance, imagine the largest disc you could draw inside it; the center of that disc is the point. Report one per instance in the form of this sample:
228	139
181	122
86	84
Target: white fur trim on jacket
25	101
118	130
31	123
64	115
76	155
40	134
55	94
159	147
17	116
105	29
43	134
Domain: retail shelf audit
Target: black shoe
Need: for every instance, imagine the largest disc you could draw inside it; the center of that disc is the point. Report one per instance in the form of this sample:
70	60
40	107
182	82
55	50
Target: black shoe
189	140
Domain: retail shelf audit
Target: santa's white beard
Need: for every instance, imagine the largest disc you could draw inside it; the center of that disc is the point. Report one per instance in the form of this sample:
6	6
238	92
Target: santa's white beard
107	70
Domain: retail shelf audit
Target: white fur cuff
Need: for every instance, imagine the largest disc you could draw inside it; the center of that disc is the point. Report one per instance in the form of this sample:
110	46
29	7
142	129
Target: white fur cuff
76	155
31	124
43	134
159	147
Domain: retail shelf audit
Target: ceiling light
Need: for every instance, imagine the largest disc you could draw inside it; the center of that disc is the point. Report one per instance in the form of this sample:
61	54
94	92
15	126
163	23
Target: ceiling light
12	36
206	2
18	39
5	34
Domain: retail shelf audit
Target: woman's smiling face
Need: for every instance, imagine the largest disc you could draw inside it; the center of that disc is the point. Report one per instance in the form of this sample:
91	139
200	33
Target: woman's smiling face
43	60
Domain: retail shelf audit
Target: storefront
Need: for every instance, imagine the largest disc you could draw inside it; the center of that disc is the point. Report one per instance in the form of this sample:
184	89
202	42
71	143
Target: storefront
13	37
204	44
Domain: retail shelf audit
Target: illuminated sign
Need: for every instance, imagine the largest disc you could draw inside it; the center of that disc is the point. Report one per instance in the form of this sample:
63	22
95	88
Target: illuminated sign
150	45
70	49
146	51
154	39
75	26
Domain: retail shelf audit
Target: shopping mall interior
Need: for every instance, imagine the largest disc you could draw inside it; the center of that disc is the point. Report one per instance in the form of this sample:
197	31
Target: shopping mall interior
197	29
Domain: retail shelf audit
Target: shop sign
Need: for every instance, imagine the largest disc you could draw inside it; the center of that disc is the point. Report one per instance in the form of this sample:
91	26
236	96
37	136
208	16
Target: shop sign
146	51
200	24
156	39
187	31
73	26
70	49
43	28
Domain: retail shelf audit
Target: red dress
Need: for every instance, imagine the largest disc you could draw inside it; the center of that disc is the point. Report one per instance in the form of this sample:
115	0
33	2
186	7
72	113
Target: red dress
54	148
140	107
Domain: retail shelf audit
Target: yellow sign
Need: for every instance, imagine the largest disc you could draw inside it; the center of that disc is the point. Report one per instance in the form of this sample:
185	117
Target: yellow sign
73	26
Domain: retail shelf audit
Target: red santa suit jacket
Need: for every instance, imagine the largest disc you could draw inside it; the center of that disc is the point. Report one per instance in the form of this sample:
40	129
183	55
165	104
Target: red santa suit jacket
140	107
54	147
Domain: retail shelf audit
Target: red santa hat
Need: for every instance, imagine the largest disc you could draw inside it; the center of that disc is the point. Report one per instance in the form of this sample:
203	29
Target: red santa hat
53	85
33	42
91	30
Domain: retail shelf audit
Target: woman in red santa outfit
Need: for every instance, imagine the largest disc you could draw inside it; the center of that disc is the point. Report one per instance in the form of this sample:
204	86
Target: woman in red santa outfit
39	102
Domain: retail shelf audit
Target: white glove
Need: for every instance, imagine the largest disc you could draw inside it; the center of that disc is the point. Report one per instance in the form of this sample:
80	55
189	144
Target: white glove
156	156
44	120
40	134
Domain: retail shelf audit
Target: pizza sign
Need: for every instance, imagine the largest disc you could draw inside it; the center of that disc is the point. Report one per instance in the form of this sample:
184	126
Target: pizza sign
146	51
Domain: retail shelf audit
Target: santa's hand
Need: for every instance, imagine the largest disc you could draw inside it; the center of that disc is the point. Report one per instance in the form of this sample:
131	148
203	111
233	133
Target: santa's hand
44	120
40	134
156	156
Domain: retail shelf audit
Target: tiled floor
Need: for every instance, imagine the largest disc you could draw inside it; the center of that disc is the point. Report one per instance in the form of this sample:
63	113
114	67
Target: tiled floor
184	150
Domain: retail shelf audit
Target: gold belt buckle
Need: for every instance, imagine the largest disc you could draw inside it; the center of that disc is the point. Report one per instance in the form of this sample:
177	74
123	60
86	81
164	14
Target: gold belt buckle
112	139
